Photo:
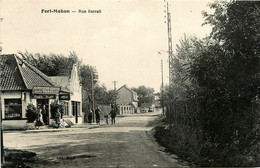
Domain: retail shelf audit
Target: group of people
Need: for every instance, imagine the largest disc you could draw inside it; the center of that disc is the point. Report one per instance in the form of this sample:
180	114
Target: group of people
112	113
41	118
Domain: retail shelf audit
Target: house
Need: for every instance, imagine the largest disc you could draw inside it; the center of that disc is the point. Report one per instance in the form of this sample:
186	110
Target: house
127	100
72	100
22	84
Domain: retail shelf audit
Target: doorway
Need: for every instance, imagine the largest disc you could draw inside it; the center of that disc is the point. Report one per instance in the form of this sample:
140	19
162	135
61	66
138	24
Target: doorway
43	104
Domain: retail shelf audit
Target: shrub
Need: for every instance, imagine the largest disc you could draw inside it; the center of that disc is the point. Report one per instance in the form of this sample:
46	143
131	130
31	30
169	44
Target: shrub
31	113
55	108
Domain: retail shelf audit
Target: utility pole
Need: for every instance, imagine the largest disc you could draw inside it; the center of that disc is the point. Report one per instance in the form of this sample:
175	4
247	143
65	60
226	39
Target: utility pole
168	16
162	91
115	94
92	94
94	78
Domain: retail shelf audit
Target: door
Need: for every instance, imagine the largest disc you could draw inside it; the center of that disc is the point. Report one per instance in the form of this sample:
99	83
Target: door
43	104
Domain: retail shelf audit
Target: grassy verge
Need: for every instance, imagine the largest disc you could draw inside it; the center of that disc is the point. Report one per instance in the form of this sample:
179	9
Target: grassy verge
18	158
178	144
184	142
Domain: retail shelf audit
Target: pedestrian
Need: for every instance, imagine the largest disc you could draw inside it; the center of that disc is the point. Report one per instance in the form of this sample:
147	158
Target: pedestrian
106	117
44	114
113	116
58	118
97	113
39	121
90	116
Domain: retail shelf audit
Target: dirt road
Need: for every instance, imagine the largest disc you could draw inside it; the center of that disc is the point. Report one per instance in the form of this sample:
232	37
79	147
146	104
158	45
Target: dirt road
128	143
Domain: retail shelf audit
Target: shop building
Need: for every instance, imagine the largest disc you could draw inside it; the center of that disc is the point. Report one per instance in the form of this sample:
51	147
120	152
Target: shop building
22	84
72	97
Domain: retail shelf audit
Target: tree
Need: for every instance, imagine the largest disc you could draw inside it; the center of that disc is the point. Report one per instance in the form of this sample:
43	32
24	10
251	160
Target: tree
59	65
216	82
145	94
227	73
52	64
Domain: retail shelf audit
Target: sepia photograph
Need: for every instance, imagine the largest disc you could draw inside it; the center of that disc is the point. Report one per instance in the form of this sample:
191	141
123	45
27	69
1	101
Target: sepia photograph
129	83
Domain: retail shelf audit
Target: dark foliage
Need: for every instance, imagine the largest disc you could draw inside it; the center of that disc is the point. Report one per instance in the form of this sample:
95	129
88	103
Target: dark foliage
31	113
216	87
60	65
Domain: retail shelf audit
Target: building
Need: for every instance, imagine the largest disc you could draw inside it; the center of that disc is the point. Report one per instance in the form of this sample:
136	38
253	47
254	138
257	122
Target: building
22	84
72	99
127	100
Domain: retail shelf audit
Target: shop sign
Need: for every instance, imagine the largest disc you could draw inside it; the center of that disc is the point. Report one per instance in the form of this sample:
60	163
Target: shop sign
43	96
45	90
64	97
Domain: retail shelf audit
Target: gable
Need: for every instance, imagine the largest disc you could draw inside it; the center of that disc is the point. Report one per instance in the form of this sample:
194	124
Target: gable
74	79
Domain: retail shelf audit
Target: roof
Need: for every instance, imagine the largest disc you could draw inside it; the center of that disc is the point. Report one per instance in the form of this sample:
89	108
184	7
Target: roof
11	78
132	92
63	81
125	86
17	74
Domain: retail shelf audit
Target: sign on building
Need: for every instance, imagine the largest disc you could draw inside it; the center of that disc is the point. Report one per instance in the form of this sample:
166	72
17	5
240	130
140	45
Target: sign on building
45	90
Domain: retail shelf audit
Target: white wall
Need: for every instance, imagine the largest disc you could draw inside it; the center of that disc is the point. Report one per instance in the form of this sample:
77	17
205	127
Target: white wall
17	95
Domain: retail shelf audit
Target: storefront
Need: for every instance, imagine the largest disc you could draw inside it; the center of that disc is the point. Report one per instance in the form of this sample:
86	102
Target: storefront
71	95
44	96
22	84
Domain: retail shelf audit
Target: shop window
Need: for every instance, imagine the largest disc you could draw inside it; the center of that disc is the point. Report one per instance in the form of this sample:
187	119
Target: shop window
66	109
78	108
75	108
13	108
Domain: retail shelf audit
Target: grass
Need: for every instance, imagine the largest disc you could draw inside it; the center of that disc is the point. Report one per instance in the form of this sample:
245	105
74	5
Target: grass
19	158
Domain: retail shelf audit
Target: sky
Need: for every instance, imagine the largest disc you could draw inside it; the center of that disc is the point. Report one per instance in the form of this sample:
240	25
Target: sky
122	41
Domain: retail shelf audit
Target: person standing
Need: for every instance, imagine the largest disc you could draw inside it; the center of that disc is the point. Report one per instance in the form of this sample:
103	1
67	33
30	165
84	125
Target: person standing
97	113
39	120
58	118
90	116
44	114
113	116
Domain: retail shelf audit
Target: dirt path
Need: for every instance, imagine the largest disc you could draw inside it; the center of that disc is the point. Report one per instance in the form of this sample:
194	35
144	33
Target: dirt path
126	144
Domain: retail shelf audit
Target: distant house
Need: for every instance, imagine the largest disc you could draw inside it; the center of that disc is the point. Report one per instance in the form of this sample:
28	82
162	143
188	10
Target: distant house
22	84
127	100
72	99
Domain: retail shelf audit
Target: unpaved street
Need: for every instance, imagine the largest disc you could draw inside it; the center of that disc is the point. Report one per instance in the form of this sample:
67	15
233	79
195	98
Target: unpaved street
129	143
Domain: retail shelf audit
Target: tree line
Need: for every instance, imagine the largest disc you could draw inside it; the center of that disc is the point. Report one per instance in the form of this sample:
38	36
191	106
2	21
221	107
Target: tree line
213	101
61	65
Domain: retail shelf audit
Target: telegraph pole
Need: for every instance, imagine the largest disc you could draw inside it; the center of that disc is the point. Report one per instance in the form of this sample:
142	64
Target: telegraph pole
115	93
92	94
162	91
170	57
94	78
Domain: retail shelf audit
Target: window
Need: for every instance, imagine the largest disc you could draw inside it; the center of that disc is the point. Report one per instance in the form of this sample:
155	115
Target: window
75	108
66	111
13	109
78	108
73	104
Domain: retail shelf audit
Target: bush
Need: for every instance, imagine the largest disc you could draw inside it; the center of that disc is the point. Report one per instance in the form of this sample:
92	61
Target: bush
31	113
55	107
